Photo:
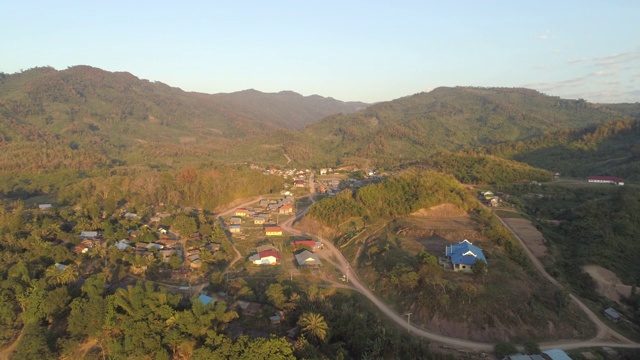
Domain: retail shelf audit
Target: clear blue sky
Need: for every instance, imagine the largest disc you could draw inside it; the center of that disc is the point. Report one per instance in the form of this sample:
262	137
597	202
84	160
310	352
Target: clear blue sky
350	50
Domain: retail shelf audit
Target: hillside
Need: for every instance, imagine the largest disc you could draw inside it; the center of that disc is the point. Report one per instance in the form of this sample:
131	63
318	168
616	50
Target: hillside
416	126
394	232
286	109
84	116
609	149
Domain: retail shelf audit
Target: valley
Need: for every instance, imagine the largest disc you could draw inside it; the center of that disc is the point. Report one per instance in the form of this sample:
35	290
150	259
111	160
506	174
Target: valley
253	224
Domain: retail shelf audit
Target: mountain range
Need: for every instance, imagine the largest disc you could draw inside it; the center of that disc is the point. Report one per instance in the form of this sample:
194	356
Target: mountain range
90	117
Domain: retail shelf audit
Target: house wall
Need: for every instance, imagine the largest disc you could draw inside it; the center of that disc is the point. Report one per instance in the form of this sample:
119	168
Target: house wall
462	267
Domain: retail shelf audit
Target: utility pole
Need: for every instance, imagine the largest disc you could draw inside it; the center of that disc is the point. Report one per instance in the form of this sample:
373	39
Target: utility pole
408	321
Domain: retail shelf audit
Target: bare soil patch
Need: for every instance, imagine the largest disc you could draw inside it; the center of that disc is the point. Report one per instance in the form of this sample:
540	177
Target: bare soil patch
607	283
440	211
529	234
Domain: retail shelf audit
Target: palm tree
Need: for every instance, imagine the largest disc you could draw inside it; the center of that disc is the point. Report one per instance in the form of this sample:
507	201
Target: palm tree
59	276
69	274
82	224
314	325
53	273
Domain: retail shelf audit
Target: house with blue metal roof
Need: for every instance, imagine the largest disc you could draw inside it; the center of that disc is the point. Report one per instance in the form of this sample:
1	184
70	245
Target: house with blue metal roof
464	255
206	300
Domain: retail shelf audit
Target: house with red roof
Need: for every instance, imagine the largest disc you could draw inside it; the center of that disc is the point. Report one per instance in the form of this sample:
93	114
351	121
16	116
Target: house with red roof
312	244
273	231
285	210
241	212
606	180
267	257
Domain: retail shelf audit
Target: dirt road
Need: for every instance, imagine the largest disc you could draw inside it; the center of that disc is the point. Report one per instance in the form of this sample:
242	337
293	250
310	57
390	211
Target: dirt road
390	313
223	226
604	331
601	339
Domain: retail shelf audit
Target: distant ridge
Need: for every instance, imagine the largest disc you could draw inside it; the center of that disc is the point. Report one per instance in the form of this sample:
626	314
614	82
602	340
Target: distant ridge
446	118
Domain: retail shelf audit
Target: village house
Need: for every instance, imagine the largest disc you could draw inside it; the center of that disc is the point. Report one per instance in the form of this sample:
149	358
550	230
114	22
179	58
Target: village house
167	242
464	255
277	318
213	247
83	247
273	231
152	246
285	210
89	235
612	314
240	212
234	229
269	257
260	219
235	220
307	258
249	308
606	180
141	247
123	244
44	207
556	354
298	183
206	300
312	244
265	247
323	171
166	254
264	203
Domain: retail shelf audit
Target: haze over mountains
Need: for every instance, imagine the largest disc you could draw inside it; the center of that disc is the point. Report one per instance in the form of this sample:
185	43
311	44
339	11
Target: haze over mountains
116	118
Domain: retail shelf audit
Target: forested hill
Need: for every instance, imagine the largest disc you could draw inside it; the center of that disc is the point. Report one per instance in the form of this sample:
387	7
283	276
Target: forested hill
611	149
416	126
84	97
286	109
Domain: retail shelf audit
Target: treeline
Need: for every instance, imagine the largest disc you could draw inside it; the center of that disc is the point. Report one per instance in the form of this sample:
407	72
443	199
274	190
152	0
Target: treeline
207	187
400	195
89	309
483	169
588	225
611	148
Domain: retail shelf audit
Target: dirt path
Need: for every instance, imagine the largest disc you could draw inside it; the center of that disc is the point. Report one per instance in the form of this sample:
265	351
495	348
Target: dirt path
6	352
530	236
604	332
230	238
288	158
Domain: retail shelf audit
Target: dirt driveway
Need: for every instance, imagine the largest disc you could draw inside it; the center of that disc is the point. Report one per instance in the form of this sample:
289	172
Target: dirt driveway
529	234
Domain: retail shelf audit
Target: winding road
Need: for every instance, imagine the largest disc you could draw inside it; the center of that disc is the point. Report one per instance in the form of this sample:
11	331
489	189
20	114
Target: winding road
604	337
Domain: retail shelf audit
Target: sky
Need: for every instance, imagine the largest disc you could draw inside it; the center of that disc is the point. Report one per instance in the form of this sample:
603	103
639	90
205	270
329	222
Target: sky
350	50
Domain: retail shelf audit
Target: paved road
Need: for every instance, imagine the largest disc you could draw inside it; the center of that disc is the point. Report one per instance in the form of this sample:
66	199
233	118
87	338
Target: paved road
603	330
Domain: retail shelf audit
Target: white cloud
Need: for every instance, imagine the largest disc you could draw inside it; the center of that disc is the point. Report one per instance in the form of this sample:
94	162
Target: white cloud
576	61
617	59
